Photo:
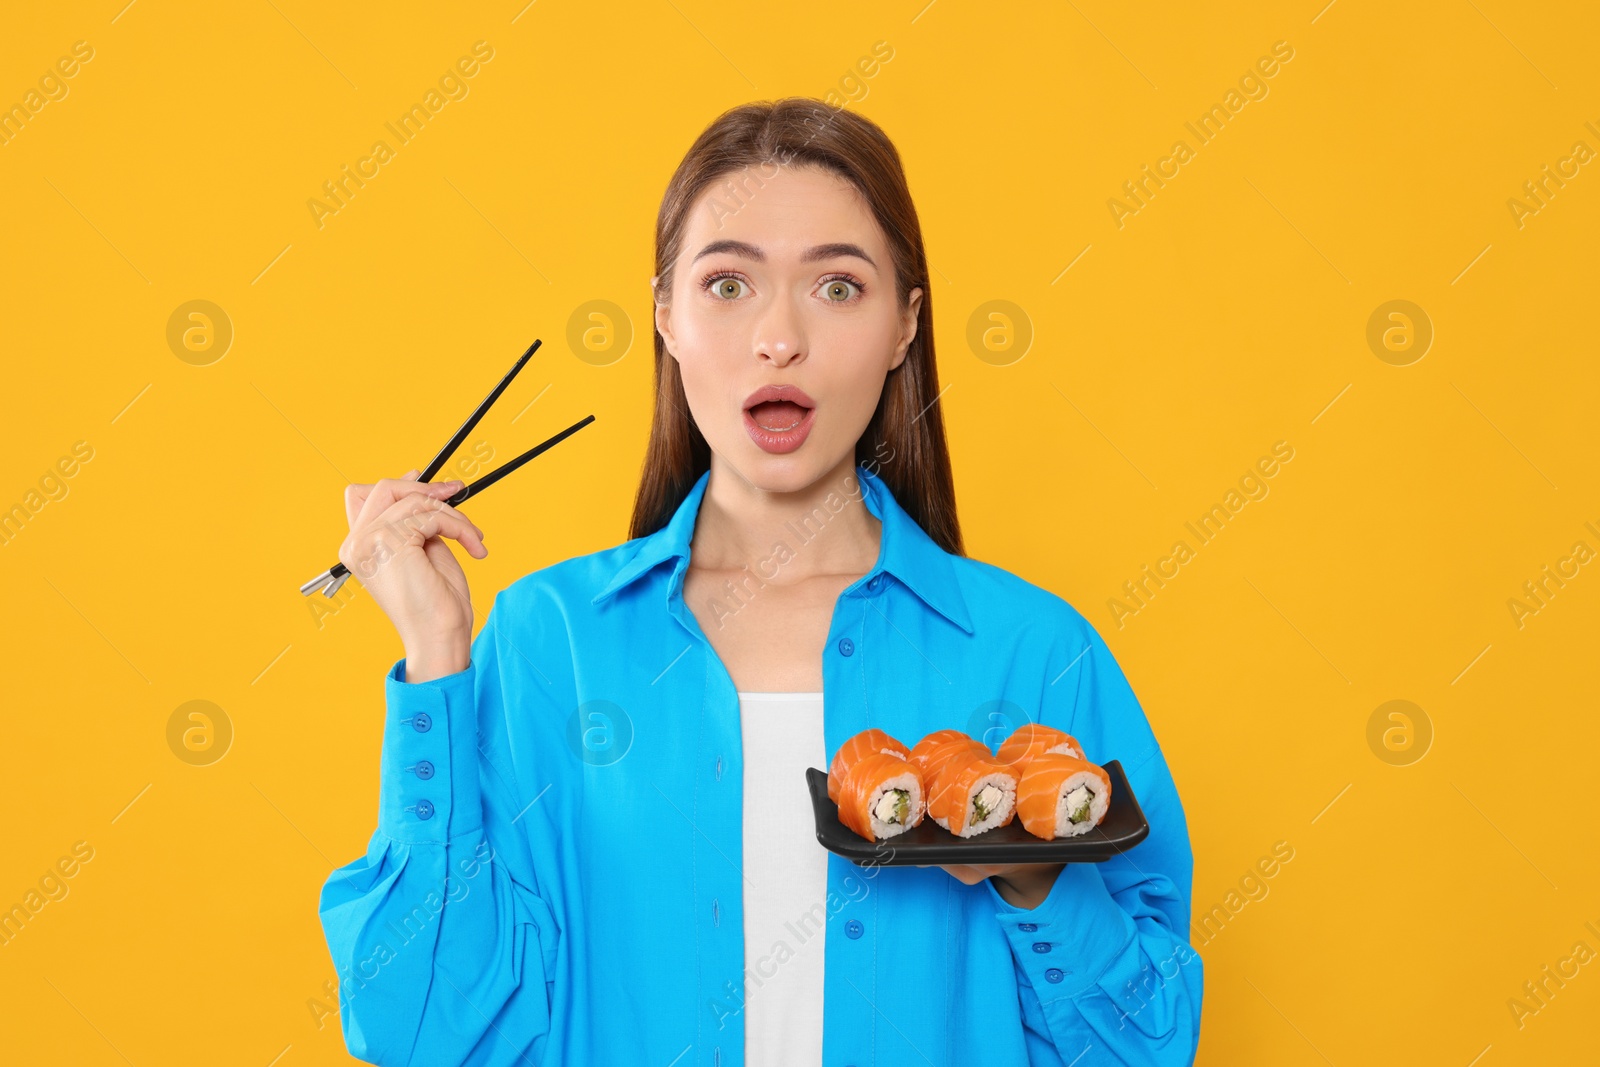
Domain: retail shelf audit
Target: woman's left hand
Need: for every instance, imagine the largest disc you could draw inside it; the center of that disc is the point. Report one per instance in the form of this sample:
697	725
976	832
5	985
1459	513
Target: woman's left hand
1022	885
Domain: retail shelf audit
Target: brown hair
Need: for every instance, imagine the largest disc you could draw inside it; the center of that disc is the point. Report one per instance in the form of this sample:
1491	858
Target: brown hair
907	424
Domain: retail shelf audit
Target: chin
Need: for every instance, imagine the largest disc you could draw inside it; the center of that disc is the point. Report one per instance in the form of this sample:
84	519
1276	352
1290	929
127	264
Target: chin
788	473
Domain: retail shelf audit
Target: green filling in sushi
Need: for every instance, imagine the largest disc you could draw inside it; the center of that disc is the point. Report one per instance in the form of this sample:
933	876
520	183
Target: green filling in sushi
1080	804
982	809
893	806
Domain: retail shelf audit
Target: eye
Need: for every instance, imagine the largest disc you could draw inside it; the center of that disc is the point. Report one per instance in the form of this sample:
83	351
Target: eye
842	290
724	286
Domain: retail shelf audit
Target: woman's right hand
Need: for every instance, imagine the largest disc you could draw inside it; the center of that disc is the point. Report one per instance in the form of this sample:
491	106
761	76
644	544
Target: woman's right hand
395	549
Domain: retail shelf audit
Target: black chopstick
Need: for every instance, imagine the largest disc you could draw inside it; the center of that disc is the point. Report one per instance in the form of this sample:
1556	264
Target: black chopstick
335	576
470	491
477	416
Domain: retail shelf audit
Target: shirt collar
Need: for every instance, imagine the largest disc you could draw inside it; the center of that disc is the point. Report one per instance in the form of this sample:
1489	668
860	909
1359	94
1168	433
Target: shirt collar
905	551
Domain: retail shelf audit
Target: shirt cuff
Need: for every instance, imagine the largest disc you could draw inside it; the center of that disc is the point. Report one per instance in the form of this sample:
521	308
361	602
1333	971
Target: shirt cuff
1065	943
428	780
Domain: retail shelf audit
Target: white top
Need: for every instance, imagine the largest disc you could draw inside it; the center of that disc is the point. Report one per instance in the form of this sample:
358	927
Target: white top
786	894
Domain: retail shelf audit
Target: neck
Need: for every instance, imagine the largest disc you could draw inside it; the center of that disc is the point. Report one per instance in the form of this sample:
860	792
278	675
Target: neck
822	528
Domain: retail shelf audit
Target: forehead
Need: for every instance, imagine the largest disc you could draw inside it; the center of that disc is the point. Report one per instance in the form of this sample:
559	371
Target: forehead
783	211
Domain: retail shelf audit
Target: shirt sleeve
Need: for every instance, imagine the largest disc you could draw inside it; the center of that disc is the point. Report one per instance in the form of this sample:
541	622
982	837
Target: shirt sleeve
444	947
1104	964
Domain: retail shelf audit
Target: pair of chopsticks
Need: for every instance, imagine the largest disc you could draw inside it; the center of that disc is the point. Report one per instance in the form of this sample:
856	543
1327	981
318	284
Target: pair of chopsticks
335	576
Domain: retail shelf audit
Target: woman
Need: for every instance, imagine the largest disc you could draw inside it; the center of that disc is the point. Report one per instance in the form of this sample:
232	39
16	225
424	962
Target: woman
563	870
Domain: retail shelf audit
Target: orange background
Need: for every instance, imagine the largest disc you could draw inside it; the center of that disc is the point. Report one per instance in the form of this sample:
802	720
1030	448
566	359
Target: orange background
1132	376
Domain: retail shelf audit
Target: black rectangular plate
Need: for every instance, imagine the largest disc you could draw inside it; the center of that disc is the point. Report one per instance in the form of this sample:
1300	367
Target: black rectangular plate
928	843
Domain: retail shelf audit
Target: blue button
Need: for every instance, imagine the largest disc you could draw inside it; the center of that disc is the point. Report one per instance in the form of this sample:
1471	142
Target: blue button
424	770
424	809
847	647
852	929
1041	946
421	723
1053	974
1027	928
876	583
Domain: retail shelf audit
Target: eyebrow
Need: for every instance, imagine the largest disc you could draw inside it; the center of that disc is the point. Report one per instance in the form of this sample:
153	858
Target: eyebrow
750	251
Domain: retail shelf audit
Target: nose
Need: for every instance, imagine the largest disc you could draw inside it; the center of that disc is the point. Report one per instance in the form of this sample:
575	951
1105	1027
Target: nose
780	335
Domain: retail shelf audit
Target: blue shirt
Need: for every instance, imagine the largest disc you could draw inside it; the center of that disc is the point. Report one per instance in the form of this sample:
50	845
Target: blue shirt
555	876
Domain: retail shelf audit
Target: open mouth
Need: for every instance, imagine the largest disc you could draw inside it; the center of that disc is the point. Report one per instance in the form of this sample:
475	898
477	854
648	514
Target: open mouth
778	416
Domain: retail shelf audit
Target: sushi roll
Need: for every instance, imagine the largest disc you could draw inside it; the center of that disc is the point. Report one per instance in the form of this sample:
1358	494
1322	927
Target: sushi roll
930	753
1062	796
855	748
972	792
1032	739
881	796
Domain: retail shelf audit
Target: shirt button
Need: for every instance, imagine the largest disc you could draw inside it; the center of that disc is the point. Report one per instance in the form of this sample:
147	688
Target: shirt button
1027	928
424	770
847	647
421	723
876	583
1053	975
1041	946
852	929
424	809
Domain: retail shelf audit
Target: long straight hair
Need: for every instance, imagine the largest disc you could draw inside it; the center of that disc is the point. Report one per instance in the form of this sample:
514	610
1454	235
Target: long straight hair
904	443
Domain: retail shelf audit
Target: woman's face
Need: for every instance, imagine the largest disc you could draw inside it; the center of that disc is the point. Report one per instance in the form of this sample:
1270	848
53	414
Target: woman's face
789	285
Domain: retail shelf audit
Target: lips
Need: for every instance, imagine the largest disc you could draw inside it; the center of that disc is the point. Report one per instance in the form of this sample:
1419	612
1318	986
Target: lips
778	417
779	392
